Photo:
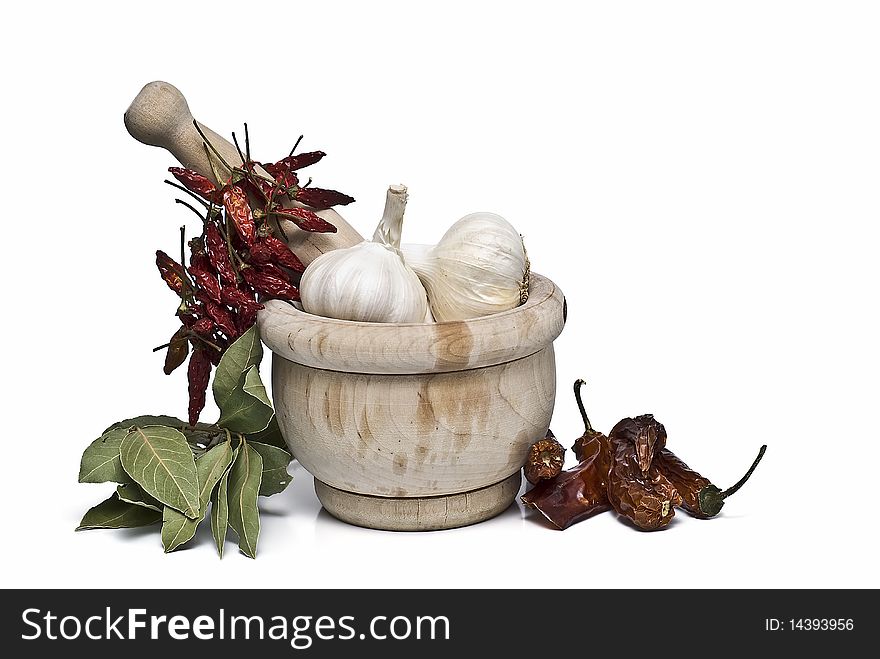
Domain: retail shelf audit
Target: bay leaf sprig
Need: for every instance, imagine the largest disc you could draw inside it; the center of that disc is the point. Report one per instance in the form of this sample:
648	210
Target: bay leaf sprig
170	472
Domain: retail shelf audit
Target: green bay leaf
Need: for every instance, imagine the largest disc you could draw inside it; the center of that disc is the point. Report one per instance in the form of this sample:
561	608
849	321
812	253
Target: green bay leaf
247	408
178	529
244	487
100	461
159	459
271	435
246	351
148	420
134	493
275	460
220	510
116	514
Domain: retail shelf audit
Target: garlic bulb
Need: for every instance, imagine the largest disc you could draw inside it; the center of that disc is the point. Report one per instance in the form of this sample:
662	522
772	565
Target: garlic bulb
478	268
370	281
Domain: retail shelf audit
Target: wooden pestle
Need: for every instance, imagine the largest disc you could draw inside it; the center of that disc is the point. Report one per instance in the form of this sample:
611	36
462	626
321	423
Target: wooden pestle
159	116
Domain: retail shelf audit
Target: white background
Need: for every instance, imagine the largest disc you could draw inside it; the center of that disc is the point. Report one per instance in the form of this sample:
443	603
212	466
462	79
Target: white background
700	178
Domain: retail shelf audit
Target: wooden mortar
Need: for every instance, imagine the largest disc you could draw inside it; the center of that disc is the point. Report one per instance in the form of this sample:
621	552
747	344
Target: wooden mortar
415	426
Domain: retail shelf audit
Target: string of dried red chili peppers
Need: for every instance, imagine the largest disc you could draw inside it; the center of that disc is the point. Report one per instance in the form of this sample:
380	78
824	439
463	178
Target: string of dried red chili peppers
237	260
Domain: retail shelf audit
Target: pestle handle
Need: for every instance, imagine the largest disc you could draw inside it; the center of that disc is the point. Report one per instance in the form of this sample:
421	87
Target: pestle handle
160	116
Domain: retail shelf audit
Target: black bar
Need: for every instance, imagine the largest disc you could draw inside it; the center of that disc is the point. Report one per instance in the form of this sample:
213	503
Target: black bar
518	622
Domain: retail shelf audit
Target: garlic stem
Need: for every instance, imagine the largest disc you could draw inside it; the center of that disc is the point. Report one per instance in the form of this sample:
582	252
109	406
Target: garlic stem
390	229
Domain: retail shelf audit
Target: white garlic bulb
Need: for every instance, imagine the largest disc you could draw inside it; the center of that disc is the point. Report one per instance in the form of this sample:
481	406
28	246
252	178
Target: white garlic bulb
370	281
479	267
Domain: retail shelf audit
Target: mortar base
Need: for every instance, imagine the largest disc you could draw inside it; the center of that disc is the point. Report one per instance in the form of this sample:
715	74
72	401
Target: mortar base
419	513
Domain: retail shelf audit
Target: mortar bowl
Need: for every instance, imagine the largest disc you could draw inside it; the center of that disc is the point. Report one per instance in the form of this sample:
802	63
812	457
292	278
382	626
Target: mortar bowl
415	426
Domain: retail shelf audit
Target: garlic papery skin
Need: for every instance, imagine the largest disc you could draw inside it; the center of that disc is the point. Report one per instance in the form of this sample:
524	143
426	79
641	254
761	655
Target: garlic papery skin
368	282
478	268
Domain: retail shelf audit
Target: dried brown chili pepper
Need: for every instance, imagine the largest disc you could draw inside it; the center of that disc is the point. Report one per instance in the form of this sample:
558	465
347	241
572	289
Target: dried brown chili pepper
238	209
198	374
636	488
581	492
544	460
699	497
321	199
178	350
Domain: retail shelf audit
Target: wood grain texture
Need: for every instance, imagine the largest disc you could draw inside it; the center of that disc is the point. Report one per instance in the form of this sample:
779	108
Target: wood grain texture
414	435
160	116
419	513
387	348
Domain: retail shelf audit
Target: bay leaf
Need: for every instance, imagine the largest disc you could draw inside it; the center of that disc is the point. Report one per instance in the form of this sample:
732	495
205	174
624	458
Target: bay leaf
148	420
116	514
270	435
275	460
100	461
244	487
244	352
178	529
247	408
134	493
159	459
220	510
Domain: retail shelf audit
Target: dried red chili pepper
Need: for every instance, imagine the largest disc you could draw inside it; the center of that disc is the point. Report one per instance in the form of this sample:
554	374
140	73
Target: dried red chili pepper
270	280
218	253
235	297
259	254
544	460
178	350
220	317
282	255
203	327
195	182
293	163
636	488
580	492
321	199
699	497
207	281
239	210
288	180
305	219
174	274
198	374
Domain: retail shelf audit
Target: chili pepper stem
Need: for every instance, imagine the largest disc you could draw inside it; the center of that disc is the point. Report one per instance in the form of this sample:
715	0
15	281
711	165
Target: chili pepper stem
187	191
212	148
733	488
191	207
238	148
298	140
711	499
577	396
183	245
